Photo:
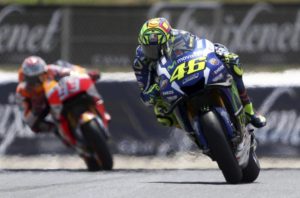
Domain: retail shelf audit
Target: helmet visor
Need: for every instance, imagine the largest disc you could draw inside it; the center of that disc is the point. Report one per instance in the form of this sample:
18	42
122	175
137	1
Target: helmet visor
151	51
32	80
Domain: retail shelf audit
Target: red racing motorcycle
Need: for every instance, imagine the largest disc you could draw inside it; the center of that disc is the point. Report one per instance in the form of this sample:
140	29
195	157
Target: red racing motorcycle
81	119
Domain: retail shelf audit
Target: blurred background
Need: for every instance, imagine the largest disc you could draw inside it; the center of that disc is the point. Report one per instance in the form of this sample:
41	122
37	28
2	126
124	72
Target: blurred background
102	34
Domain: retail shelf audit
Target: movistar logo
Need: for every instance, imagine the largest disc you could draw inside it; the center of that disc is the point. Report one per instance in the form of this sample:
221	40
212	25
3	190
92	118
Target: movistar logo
170	67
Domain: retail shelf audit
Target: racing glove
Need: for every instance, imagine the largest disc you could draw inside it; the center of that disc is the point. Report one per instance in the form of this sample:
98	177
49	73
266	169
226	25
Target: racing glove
94	75
255	119
160	108
149	96
232	60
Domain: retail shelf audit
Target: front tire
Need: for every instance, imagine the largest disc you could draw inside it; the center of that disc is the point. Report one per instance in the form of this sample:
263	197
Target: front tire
219	147
251	171
96	142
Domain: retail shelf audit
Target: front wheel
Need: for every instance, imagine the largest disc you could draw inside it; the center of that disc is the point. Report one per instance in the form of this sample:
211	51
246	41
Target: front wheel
251	171
96	143
219	147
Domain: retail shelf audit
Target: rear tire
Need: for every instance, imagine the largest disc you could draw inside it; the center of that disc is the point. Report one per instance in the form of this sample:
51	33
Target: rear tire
251	171
219	147
96	143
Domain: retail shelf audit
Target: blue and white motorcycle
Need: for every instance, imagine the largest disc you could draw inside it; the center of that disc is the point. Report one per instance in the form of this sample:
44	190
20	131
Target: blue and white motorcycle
204	98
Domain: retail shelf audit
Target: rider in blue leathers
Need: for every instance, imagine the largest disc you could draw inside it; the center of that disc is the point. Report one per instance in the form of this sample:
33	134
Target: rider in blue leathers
157	38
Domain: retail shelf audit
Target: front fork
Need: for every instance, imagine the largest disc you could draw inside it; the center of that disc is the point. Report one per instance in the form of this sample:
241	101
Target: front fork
72	130
99	104
228	108
191	127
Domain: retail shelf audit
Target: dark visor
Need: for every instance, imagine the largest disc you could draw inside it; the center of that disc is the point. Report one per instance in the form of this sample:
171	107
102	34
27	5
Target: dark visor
32	80
151	51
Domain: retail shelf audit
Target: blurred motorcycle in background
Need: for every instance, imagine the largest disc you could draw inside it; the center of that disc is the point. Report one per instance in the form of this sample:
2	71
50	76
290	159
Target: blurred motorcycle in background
79	114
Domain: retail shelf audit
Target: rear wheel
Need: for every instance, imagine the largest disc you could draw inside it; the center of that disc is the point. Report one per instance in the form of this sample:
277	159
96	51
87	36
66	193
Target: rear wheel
96	142
219	147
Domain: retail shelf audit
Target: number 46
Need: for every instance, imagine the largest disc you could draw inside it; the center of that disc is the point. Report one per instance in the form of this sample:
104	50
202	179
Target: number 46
188	68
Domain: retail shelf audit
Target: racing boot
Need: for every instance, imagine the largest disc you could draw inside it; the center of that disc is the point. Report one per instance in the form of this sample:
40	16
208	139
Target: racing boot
255	119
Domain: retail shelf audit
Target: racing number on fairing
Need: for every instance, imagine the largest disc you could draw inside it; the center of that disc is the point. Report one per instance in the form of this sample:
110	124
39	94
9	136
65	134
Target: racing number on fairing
68	85
188	68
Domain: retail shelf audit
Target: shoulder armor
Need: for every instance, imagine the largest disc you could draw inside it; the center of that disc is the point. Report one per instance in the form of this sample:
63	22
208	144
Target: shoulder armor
139	51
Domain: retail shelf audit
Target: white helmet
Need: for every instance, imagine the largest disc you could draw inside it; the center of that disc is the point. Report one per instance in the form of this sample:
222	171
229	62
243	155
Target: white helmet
32	67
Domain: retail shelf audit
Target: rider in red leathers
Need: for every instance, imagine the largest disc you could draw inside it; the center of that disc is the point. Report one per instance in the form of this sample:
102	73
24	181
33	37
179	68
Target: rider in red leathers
31	94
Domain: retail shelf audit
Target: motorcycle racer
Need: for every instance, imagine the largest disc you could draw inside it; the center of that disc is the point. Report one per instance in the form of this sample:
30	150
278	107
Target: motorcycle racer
157	38
31	94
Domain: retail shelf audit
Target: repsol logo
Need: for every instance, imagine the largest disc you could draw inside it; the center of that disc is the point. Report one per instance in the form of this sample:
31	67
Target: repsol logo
24	36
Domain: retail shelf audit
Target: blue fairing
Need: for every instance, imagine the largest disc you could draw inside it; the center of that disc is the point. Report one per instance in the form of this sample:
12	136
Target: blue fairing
218	71
212	72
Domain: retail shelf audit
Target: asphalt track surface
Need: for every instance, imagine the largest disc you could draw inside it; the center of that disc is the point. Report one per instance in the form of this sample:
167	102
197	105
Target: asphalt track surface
145	183
278	178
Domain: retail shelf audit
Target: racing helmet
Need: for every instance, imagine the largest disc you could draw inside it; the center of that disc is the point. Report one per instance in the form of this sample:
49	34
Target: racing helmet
32	68
154	37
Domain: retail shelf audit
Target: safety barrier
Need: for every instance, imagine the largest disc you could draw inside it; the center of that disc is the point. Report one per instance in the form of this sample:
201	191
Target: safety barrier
135	131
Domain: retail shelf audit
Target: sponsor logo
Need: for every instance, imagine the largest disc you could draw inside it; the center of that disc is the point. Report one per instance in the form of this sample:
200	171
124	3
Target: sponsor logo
113	60
164	83
219	69
165	93
218	78
171	98
283	125
190	78
170	67
213	61
251	34
24	37
189	57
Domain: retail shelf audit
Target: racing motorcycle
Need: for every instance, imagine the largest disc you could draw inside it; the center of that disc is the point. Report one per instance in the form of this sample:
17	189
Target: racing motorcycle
80	117
203	96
